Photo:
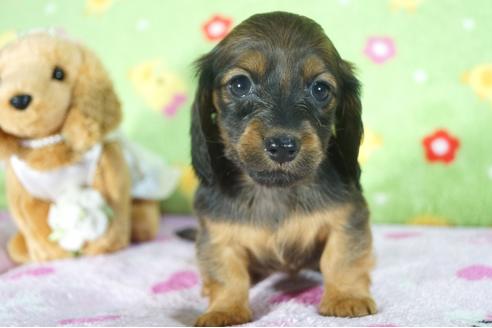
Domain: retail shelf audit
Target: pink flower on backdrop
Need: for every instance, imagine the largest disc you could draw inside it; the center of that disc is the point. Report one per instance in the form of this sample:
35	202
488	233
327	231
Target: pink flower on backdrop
380	49
475	272
217	27
178	281
172	107
310	296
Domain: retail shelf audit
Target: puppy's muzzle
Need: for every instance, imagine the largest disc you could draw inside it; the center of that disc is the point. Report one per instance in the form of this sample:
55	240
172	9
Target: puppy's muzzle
282	149
20	102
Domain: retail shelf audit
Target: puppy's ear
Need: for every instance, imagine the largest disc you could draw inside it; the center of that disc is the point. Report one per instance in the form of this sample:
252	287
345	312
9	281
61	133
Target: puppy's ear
206	148
95	108
348	125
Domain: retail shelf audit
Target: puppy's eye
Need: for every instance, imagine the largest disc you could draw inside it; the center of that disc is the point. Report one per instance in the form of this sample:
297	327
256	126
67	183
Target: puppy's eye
320	91
58	74
240	86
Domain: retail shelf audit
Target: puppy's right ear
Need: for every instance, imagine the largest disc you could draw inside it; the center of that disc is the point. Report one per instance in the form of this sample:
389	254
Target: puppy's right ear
206	148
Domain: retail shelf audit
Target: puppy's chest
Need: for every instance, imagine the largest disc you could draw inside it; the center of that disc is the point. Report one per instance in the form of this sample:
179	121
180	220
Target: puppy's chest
294	244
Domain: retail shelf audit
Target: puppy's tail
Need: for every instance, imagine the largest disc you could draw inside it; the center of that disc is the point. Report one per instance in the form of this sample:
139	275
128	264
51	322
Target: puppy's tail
187	234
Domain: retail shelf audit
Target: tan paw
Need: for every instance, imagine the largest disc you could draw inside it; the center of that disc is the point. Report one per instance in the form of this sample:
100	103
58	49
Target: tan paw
223	318
348	307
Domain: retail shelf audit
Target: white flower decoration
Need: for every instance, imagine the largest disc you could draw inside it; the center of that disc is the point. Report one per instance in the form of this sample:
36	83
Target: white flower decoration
78	215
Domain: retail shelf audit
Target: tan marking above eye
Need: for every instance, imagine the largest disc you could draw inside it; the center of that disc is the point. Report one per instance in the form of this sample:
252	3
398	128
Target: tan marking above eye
327	77
315	68
253	61
232	73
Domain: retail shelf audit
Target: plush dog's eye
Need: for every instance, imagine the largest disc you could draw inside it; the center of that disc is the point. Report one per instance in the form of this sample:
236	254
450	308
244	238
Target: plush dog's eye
58	74
240	86
320	91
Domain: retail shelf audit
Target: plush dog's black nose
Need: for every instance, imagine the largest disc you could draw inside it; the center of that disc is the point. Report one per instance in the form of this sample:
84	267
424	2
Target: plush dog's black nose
20	101
281	149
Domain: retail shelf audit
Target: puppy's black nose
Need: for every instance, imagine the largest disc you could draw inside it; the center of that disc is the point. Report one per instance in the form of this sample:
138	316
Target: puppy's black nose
282	149
20	101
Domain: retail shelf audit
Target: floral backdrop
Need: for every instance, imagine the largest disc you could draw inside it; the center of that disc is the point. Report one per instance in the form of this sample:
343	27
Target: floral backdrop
426	68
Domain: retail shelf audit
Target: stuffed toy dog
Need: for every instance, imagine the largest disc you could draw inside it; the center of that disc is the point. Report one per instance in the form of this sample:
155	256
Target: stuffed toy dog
74	185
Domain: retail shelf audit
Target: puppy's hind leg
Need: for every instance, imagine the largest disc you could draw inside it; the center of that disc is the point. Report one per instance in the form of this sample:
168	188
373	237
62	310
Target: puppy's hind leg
345	264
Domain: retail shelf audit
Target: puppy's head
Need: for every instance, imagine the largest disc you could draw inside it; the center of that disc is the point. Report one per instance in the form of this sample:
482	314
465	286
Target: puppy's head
51	85
275	101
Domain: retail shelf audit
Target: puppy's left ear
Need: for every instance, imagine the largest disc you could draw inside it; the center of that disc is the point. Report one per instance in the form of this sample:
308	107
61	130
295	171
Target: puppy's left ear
348	126
95	108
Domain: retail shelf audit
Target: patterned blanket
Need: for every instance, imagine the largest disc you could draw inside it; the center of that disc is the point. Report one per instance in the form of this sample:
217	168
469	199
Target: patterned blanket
424	276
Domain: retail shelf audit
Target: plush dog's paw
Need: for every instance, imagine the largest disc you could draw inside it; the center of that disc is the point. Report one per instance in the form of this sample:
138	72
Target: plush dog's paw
17	249
347	307
224	318
145	220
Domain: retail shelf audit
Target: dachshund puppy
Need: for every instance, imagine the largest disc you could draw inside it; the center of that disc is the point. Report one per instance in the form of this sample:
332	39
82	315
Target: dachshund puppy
276	129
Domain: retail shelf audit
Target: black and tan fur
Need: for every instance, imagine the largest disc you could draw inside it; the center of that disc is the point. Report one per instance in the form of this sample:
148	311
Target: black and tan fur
258	216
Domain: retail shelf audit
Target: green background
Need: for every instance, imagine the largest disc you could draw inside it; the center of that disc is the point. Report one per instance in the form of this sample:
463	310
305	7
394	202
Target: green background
446	39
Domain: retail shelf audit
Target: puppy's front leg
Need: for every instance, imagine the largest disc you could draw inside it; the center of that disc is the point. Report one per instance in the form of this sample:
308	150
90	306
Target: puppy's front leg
226	281
345	264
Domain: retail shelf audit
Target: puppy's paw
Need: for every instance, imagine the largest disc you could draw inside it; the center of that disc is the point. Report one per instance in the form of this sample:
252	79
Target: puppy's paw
223	318
347	307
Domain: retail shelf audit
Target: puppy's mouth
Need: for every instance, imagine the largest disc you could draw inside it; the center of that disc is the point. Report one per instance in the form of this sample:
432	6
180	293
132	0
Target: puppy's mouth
276	178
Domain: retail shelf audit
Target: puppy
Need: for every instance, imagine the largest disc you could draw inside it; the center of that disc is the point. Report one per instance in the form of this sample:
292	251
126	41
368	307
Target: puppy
276	129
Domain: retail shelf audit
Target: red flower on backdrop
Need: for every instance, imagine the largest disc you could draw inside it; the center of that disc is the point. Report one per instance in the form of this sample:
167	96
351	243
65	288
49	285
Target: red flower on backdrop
440	147
217	27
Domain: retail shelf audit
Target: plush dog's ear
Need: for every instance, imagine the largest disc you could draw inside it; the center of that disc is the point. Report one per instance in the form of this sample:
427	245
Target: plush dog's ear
9	145
206	147
95	108
348	125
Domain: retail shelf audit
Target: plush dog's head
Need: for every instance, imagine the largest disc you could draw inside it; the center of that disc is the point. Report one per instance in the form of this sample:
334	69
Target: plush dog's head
49	85
275	101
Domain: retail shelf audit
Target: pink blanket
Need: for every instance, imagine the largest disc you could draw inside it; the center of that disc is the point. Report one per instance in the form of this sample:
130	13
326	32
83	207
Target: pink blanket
424	276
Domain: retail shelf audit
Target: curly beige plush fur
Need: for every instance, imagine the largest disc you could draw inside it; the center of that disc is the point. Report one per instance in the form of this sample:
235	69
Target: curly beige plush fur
83	108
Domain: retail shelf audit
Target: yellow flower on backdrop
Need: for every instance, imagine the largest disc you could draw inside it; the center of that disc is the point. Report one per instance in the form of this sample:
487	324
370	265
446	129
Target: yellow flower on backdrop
480	80
406	5
371	142
428	219
157	85
188	182
98	7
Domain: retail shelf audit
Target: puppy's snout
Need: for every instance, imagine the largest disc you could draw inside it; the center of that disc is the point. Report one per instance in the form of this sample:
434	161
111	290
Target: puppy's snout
282	149
20	102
